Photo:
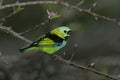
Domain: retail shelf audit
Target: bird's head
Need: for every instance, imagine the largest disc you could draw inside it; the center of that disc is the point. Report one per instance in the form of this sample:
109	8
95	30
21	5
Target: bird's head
62	32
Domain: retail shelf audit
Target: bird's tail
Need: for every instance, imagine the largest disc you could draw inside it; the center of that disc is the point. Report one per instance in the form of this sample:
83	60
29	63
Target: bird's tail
25	49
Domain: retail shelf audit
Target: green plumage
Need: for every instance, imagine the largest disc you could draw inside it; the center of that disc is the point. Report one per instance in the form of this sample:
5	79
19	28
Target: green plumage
50	42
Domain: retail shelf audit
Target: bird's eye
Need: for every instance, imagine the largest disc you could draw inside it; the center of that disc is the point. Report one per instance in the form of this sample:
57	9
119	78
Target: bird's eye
65	31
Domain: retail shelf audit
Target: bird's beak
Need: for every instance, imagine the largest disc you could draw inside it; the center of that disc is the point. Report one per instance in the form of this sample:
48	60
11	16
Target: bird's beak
69	33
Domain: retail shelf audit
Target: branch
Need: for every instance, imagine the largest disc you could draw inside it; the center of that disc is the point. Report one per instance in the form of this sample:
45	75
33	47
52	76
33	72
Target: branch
91	13
26	4
67	62
62	3
58	58
11	32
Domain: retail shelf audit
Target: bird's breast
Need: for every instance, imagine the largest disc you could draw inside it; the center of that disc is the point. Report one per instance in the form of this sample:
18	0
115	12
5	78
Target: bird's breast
61	44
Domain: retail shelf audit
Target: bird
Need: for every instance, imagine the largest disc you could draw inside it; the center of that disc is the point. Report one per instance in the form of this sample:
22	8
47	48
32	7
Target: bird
50	42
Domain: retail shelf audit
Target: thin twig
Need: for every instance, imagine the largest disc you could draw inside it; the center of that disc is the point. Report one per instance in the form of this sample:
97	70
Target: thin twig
35	27
74	51
8	16
93	6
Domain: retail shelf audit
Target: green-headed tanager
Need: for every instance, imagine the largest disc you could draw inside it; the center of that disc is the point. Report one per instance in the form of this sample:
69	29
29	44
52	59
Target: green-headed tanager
50	42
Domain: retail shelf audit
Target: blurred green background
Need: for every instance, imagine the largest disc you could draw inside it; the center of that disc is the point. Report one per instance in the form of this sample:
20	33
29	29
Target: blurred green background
98	41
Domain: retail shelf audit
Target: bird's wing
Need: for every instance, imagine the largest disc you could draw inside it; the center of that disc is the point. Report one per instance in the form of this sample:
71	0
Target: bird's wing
43	41
47	42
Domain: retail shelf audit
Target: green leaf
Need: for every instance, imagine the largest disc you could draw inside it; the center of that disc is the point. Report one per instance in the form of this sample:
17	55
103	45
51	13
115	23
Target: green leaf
81	2
17	10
